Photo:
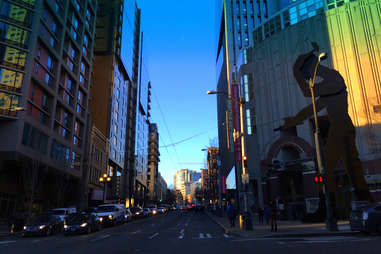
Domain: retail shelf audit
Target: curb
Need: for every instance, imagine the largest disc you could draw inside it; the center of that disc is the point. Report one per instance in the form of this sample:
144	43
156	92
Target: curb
291	235
226	230
285	235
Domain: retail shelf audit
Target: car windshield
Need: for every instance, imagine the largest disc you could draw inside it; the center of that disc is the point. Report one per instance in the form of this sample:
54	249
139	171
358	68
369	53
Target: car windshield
106	209
77	218
58	212
91	210
40	220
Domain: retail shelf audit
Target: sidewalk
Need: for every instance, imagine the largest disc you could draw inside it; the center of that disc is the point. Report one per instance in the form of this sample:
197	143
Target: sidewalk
4	230
285	228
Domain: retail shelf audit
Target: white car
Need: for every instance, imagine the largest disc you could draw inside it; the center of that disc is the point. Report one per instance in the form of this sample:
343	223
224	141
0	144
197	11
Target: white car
62	213
111	214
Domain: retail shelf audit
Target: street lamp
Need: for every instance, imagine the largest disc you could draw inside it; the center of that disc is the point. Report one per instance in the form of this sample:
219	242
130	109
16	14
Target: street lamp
104	179
331	222
240	134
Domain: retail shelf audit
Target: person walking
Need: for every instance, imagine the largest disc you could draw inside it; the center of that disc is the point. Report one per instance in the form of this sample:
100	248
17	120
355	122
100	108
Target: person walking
267	214
260	215
273	214
231	214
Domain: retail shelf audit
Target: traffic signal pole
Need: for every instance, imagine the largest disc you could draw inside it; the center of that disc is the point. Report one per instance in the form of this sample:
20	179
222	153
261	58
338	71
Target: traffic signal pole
331	221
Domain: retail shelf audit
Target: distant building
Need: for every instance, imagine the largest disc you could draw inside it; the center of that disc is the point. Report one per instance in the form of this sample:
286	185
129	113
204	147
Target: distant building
153	163
213	183
183	180
161	192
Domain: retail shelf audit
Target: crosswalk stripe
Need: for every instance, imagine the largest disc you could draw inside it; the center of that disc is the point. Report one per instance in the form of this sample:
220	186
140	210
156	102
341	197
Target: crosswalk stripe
226	236
201	235
208	235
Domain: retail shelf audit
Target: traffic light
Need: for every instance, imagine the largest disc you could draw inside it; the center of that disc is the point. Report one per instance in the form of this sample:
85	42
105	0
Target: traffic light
318	179
244	158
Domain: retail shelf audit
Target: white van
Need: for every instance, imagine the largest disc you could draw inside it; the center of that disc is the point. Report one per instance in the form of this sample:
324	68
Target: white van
61	213
111	213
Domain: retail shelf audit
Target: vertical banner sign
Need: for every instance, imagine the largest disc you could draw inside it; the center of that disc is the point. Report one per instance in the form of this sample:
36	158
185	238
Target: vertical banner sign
236	121
223	184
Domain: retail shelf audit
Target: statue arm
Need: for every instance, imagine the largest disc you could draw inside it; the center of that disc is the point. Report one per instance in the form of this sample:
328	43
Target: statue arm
302	83
307	112
302	115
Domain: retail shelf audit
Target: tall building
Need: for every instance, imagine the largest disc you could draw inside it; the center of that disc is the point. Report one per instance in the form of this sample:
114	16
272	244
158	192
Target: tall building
236	22
46	51
153	162
143	117
213	182
286	158
114	90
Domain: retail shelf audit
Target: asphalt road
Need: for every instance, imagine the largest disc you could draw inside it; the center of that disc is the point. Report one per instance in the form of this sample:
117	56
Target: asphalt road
183	232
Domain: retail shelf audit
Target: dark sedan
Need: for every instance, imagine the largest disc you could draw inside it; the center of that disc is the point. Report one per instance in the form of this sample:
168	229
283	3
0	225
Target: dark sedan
77	223
43	225
366	219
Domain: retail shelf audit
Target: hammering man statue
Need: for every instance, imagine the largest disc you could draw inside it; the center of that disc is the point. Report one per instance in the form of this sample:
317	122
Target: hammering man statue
341	143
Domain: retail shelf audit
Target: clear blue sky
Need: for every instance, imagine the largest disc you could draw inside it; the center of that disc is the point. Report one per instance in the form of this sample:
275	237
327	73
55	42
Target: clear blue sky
179	38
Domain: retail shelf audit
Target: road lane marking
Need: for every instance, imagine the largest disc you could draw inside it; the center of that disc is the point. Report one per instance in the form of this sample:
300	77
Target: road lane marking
100	238
181	236
154	235
5	242
208	235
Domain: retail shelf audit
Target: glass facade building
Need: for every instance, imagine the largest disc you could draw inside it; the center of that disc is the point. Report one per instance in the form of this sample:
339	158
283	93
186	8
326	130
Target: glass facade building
46	51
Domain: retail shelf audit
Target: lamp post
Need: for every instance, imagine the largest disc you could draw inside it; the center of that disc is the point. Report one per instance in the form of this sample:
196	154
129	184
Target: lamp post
331	222
104	179
240	134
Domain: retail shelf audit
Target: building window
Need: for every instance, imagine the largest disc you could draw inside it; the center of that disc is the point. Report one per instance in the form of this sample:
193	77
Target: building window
34	139
47	79
246	87
50	64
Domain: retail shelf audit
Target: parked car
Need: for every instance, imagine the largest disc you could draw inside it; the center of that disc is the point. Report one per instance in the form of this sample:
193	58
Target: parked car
366	219
82	223
128	215
92	210
162	209
110	214
147	211
139	213
61	213
44	225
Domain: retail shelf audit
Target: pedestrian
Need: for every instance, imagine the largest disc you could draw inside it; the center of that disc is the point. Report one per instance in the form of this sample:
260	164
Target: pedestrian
260	215
231	214
273	215
267	213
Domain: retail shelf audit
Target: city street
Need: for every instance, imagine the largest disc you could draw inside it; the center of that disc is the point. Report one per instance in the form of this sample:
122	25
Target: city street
183	232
